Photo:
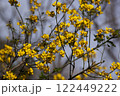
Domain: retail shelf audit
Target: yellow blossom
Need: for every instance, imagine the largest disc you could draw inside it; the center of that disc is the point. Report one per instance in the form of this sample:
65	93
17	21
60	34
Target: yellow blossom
62	53
58	76
78	77
9	75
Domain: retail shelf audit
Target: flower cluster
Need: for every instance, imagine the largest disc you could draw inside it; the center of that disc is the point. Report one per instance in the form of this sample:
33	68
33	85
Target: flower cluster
30	71
70	37
108	77
14	2
36	5
78	77
58	76
33	18
61	27
62	53
6	54
115	66
42	66
58	6
47	57
92	53
26	50
22	77
89	6
102	34
9	75
83	33
45	36
118	73
78	52
83	23
107	31
51	14
23	27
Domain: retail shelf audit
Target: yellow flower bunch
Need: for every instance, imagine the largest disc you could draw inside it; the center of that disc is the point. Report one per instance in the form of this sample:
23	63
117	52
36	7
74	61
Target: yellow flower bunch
61	27
83	43
58	76
108	1
92	53
9	75
70	37
83	23
101	33
30	71
52	48
78	77
47	57
14	2
87	7
51	14
45	36
6	54
115	66
23	27
62	53
21	52
60	40
58	6
108	77
26	50
64	8
22	77
84	33
33	18
78	52
42	66
39	65
118	73
46	69
74	18
35	6
35	30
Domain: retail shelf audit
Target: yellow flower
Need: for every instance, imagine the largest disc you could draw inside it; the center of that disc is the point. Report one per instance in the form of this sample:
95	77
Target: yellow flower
108	1
78	77
30	71
8	38
35	30
31	1
52	13
18	23
45	36
22	26
12	2
8	59
62	53
26	64
21	52
23	32
32	9
33	18
58	76
23	77
18	4
9	75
